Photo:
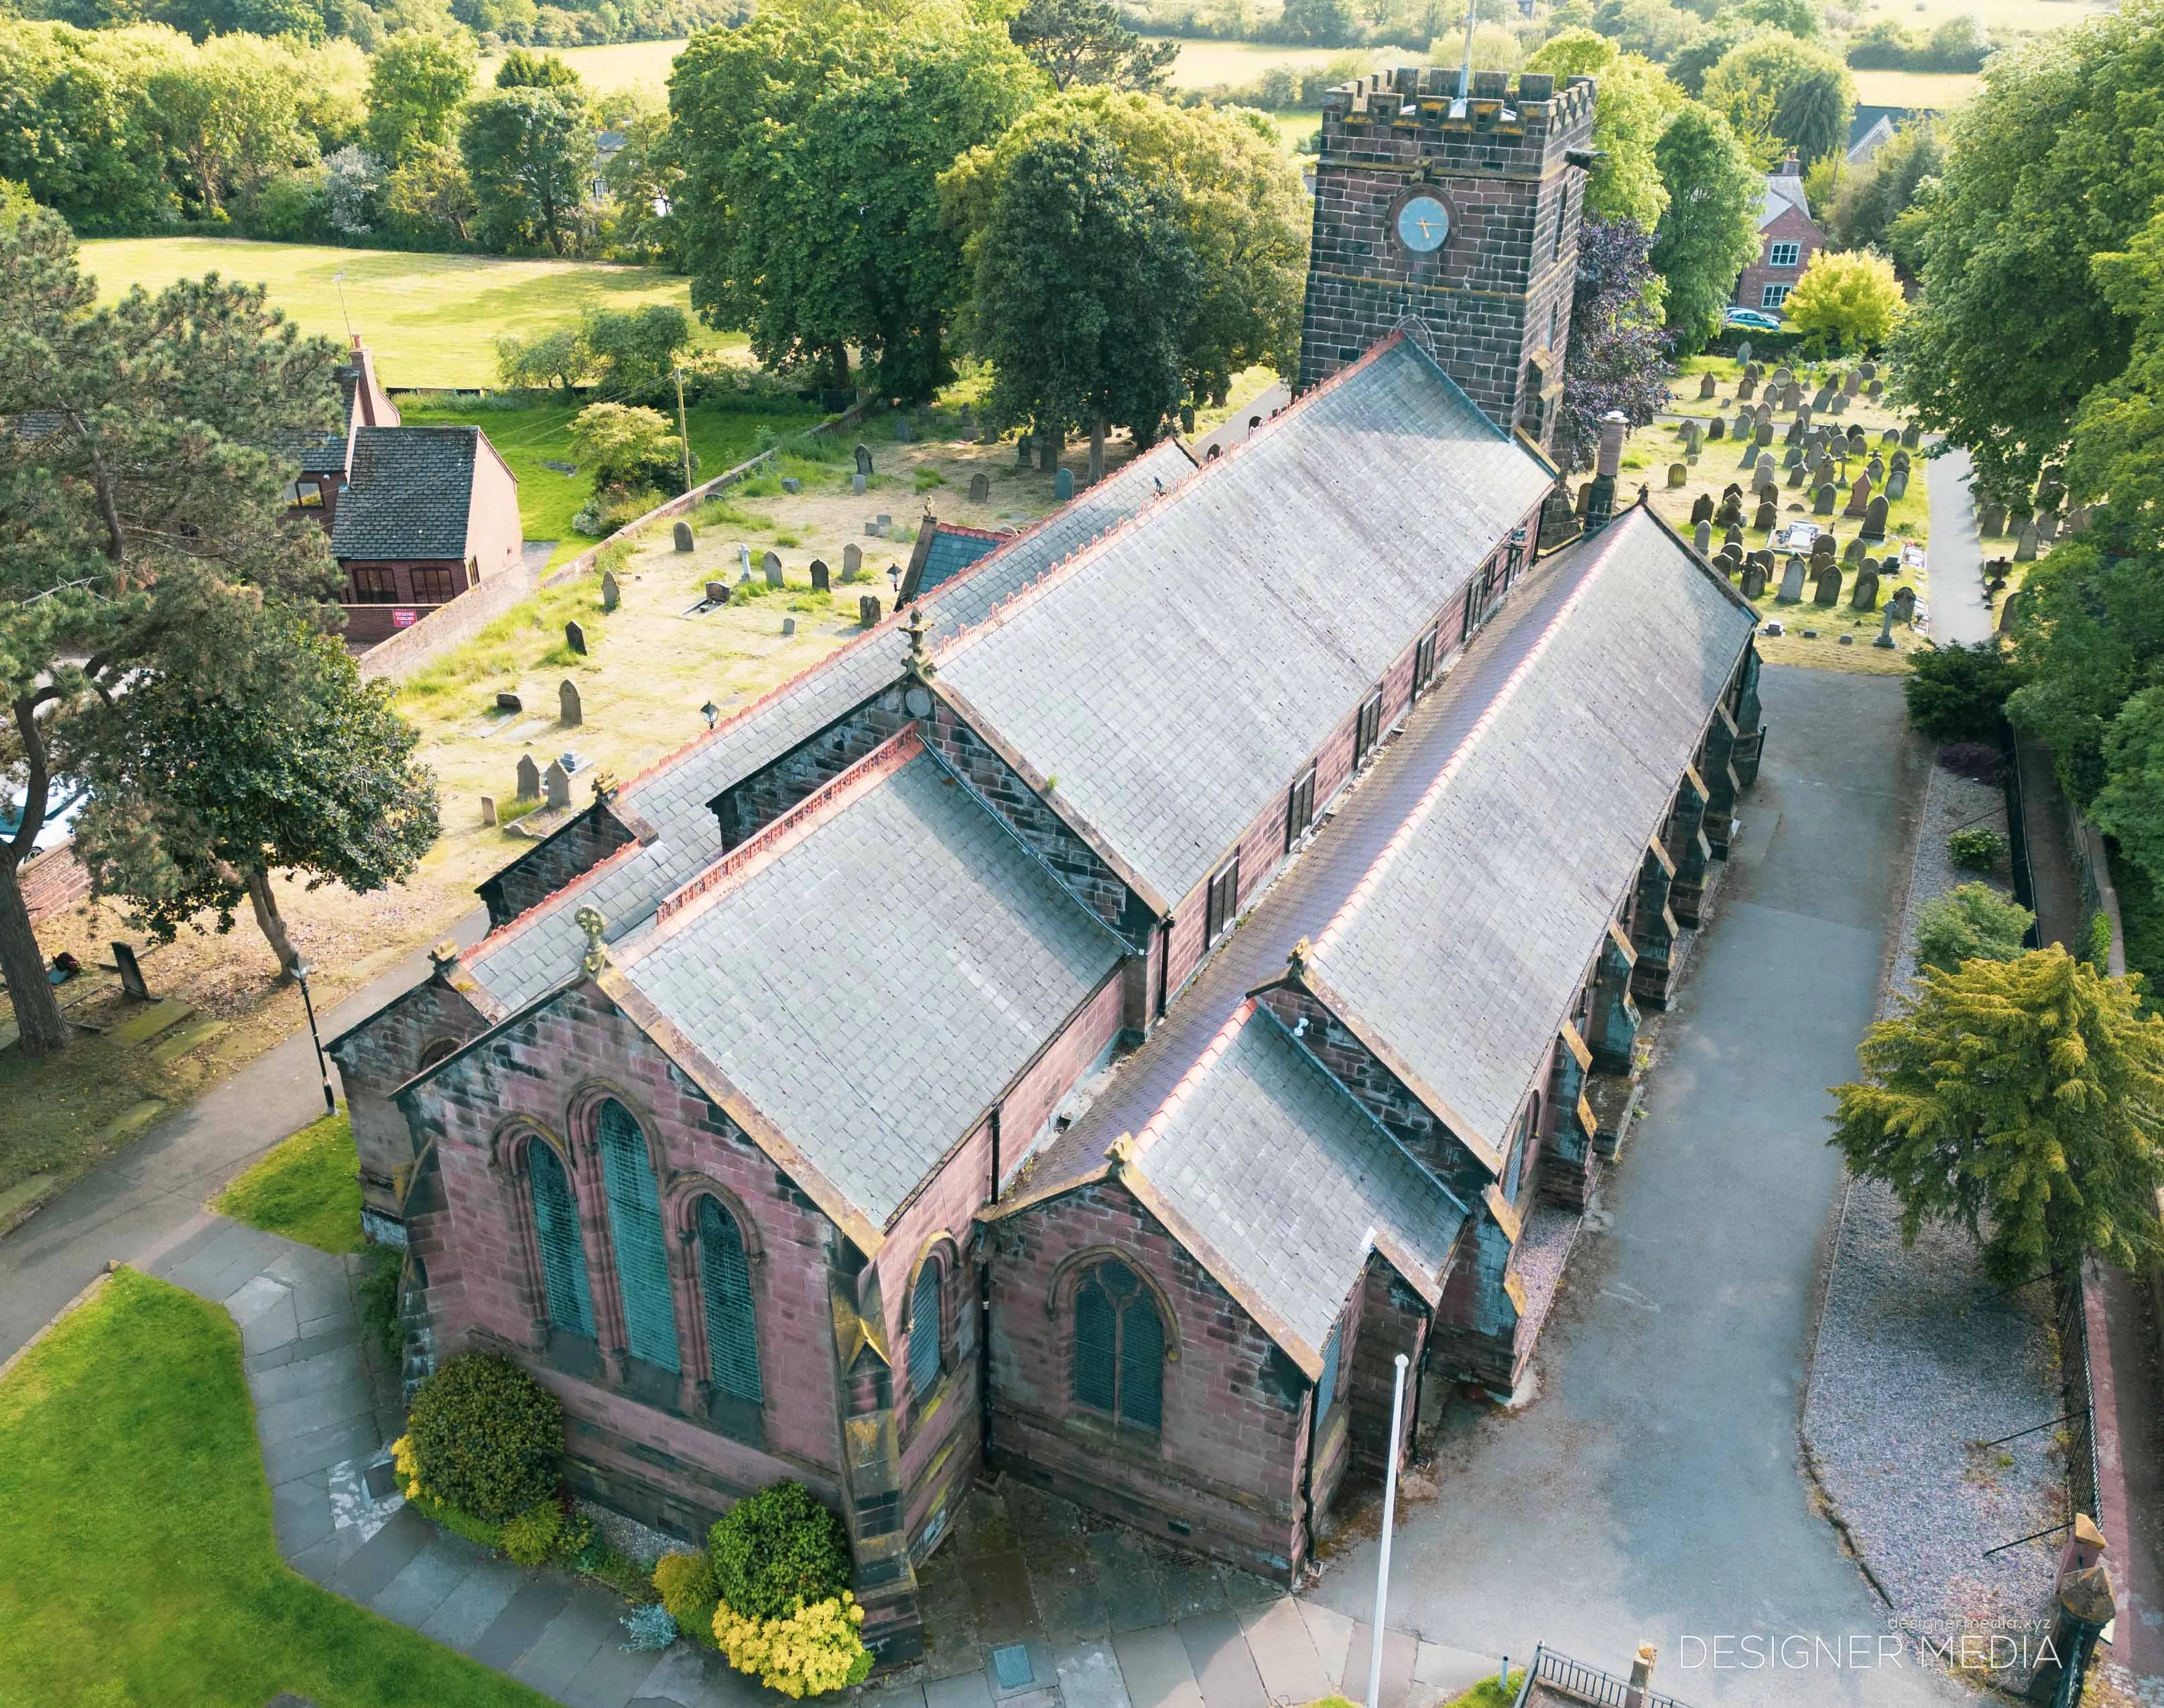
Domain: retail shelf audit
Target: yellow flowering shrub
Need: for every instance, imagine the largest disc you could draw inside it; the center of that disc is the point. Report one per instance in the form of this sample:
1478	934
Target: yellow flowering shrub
808	1651
406	1466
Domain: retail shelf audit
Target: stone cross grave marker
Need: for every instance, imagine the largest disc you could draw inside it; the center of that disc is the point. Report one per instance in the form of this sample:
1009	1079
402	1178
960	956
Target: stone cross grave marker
743	559
529	777
569	710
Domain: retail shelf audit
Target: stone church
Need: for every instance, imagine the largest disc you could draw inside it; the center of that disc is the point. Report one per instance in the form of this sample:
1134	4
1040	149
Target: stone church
1085	1028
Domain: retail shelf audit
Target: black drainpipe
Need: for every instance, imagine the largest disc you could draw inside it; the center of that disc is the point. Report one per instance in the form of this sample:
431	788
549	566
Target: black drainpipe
985	1317
1164	965
1307	1479
1420	1375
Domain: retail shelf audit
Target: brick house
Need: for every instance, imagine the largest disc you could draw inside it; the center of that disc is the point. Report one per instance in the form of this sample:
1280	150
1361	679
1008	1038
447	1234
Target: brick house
1788	237
416	515
986	1051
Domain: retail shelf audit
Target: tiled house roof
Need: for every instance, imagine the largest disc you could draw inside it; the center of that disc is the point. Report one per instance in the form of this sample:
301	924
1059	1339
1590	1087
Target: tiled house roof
952	550
410	496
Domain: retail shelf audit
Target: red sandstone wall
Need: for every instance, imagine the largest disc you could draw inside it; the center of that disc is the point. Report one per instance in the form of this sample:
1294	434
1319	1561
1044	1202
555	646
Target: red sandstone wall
378	1055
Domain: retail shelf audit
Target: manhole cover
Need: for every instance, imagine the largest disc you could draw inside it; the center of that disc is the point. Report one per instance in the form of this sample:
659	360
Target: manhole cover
380	1481
1011	1664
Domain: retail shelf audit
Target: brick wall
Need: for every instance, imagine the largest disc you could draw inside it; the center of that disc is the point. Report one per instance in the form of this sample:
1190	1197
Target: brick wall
51	881
538	873
1791	226
378	1055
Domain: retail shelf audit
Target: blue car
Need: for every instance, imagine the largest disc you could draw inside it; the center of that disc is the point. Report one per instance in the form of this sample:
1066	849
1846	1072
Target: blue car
1754	319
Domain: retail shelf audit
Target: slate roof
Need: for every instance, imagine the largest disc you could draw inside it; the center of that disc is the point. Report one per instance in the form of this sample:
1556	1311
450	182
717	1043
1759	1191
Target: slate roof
411	493
873	987
953	551
1288	1184
1783	191
538	950
316	453
1464	948
1203	653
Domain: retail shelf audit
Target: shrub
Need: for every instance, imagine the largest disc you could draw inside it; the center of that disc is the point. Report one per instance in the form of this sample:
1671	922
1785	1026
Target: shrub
688	1591
486	1438
377	1290
647	1628
1978	850
531	1537
1977	761
1958	693
779	1547
809	1651
2096	950
1969	922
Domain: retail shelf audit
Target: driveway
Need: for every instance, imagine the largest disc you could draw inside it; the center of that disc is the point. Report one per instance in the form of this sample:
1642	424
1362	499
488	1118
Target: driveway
1653	1489
1959	609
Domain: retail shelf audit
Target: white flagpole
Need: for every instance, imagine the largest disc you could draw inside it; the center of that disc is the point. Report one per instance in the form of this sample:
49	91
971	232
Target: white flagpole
1389	1520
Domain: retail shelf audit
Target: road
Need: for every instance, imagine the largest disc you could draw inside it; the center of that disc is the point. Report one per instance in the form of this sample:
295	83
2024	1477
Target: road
1959	611
1653	1490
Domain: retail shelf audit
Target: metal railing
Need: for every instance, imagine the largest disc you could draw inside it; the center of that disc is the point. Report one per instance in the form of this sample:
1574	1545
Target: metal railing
2017	832
2069	1307
1585	1684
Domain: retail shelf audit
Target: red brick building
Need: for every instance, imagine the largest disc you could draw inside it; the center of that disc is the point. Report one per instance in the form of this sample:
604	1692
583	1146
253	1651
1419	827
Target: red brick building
1788	237
987	1050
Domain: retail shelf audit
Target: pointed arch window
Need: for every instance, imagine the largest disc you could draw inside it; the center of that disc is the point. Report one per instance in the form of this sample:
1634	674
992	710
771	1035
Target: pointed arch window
926	1358
1119	1347
725	1287
635	1230
570	1303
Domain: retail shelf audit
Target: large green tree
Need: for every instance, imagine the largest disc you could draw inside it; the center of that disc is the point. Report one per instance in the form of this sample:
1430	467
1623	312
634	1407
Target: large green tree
1082	276
529	153
1795	92
417	82
1084	41
1223	175
141	513
257	752
1637	103
812	139
2022	1100
1872	196
1709	232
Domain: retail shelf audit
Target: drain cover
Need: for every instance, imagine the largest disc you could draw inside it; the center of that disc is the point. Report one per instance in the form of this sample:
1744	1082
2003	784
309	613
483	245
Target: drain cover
380	1481
1011	1664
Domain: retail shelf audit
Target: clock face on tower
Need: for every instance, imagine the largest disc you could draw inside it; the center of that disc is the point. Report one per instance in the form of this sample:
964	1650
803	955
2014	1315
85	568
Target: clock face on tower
1423	222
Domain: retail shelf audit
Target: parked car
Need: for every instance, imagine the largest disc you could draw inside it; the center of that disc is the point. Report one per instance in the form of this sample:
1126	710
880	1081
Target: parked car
1757	321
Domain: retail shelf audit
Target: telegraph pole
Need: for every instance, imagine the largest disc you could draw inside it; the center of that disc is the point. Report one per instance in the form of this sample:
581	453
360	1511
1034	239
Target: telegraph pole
683	434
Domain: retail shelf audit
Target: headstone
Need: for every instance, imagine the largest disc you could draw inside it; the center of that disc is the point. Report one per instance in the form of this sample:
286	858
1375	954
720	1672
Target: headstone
1693	433
858	483
1021	451
1885	630
1853	552
1702	537
1743	351
1876	469
1859	442
682	534
1875	389
556	784
1754	579
902	429
980	489
1868	369
1678	472
131	969
1731	560
1730	513
772	564
575	637
1897	485
2047	526
1822	544
1900	461
529	777
867	610
1912	437
792	485
1791	582
853	561
717	593
1821	400
1744	422
507	701
1063	485
819	583
1874	518
1839	404
1851	383
1822	472
1859	496
1716	428
612	590
788	627
1707	388
1826	585
1796	475
1764	517
1701	509
1762	433
1903	604
569	710
863	455
1793	457
487	818
743	559
969	430
2024	548
1866	595
1991	522
1822	501
1745	388
1793	438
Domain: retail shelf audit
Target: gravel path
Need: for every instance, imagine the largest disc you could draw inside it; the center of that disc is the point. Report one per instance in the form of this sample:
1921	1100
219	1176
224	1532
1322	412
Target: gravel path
1919	1359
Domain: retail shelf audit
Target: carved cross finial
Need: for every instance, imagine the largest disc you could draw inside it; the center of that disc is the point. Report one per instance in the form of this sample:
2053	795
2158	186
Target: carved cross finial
1296	962
589	919
445	955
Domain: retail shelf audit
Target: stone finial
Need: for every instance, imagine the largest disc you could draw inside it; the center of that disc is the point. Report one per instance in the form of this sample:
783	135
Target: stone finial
1120	1152
589	919
444	957
920	657
1296	962
604	787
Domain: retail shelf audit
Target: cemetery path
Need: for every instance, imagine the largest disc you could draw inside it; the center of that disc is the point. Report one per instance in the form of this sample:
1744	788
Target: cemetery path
132	1200
1959	609
1654	1488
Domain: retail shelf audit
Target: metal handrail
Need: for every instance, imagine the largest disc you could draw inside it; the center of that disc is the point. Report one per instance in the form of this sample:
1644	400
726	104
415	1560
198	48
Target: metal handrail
1587	1683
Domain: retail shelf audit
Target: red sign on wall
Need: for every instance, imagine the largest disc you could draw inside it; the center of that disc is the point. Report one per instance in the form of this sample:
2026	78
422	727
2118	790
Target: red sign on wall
404	618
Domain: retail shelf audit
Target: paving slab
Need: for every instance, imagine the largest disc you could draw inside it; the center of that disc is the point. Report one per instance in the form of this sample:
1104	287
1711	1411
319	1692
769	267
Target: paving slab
1453	1671
999	1597
681	1676
1217	1649
612	1676
1154	1665
321	1562
967	1690
1133	1600
350	1400
425	1582
1399	1650
345	1334
383	1555
275	1385
319	1450
524	1617
560	1652
1090	1676
300	1515
1331	1633
1285	1653
462	1617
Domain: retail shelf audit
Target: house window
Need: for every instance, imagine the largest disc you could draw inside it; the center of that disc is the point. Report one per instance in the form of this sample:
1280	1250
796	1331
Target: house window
1299	807
434	586
1784	254
1772	295
1224	901
1119	1347
1424	659
641	1251
376	587
924	1351
725	1289
570	1306
1369	729
1325	1385
308	493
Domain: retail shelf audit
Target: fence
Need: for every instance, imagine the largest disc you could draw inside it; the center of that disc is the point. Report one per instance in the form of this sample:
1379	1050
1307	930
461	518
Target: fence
1585	1684
2070	1305
2093	867
2017	834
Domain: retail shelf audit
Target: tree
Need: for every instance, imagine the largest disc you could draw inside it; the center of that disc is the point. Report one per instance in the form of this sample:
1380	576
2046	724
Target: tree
214	771
1872	196
417	82
812	139
2130	807
560	358
1958	693
1652	28
2117	446
627	450
74	127
1637	103
429	198
1970	922
529	152
1618	357
2022	1100
1237	199
1324	23
2055	161
230	109
523	69
2090	633
135	530
1851	296
1709	232
1800	19
1796	91
642	176
1082	41
635	349
1081	276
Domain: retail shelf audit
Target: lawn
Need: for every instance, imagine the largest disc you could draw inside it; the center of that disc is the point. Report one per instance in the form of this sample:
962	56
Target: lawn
137	1567
1940	91
623	65
431	320
308	1188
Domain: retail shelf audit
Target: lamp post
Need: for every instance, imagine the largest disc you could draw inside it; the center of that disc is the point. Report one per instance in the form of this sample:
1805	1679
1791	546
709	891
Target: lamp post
322	1068
1390	1518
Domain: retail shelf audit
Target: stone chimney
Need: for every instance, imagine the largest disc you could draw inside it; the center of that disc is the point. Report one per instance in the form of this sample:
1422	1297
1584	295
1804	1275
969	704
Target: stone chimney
1790	166
1600	505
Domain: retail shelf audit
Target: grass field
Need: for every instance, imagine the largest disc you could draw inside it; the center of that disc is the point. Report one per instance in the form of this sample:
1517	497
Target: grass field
1940	91
308	1188
624	65
137	1567
431	320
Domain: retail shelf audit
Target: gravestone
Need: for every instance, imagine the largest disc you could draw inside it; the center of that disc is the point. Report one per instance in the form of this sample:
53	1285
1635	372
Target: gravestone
507	701
876	525
529	777
1793	457
1794	437
1702	537
1716	428
2047	526
1063	485
1822	544
487	810
857	485
556	784
1796	475
1885	630
1745	389
1733	541
1826	589
1791	582
575	637
772	564
1859	496
131	969
788	627
1912	437
1874	518
1706	387
1822	472
1991	522
969	430
1903	604
1731	560
1875	389
1897	485
570	710
1764	518
1021	451
1743	351
612	590
1822	501
853	561
902	430
867	610
819	582
743	559
980	489
1900	461
1853	552
682	533
2024	547
1783	373
1851	383
1754	580
1820	400
1744	422
792	485
1730	513
1859	442
1866	595
1678	472
1762	433
717	593
1877	470
1868	369
863	455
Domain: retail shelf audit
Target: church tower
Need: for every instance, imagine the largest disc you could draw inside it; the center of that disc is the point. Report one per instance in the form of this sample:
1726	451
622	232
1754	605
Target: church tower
1462	214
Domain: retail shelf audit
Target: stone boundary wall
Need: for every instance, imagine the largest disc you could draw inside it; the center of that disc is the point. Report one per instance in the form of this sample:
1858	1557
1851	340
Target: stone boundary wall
52	881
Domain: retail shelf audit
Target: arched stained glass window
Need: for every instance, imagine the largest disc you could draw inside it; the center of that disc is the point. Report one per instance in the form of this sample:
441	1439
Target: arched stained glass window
635	1229
725	1280
924	1359
556	1232
1119	1347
